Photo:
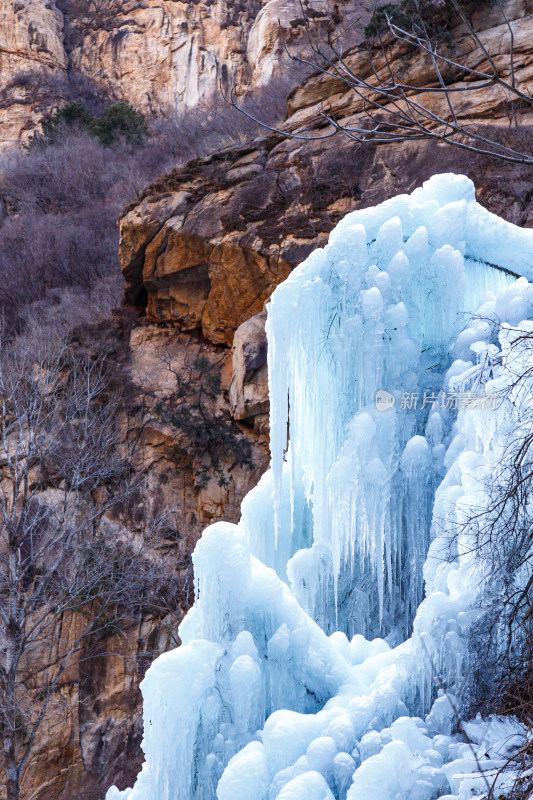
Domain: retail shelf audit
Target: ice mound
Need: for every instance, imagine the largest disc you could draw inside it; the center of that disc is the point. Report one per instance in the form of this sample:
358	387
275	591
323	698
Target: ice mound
312	667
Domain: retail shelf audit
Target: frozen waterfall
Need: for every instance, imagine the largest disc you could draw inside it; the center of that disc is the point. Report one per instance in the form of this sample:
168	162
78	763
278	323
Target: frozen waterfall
327	622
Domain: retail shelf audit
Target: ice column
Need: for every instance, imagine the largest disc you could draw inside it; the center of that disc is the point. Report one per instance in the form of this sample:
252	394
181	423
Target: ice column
275	693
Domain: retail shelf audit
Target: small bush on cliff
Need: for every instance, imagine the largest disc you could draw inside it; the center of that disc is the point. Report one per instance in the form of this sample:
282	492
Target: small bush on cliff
72	115
121	120
431	18
118	121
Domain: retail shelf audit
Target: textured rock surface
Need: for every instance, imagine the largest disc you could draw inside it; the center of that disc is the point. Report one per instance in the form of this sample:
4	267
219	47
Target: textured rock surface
249	380
157	354
211	284
247	215
94	737
33	64
482	105
162	55
201	252
94	740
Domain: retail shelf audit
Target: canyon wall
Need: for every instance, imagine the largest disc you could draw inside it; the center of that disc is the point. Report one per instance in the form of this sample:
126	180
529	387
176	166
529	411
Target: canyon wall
201	251
163	56
205	244
92	740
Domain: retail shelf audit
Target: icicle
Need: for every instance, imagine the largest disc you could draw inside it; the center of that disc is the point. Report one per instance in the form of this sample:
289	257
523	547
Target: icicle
379	470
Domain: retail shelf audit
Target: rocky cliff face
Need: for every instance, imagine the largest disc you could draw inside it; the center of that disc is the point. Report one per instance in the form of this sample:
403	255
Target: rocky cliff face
207	243
93	737
201	251
33	64
162	55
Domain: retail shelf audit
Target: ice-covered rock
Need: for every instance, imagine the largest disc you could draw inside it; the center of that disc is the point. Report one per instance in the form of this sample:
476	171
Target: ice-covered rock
311	661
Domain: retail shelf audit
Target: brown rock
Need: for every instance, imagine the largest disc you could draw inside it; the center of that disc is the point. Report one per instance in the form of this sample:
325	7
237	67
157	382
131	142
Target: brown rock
137	229
256	210
93	741
33	65
197	283
241	281
162	55
176	277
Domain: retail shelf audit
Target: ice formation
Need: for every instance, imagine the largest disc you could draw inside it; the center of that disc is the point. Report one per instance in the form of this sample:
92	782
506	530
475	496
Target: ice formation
327	621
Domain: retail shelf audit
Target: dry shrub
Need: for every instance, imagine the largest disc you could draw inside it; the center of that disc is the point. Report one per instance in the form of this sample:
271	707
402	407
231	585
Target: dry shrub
74	172
60	204
60	199
214	125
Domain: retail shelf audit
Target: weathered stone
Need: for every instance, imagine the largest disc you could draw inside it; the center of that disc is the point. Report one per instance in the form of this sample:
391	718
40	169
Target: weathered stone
197	283
242	279
249	382
260	208
176	277
137	229
157	356
162	55
33	64
201	253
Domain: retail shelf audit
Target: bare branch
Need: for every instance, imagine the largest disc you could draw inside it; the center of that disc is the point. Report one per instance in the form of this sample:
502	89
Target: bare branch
389	110
64	465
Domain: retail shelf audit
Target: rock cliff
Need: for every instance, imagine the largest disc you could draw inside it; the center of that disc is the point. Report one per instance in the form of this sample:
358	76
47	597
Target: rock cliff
201	251
206	244
33	65
162	55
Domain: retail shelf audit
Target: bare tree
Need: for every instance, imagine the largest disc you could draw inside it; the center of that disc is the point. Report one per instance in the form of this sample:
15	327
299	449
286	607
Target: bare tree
391	108
63	584
499	532
502	531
